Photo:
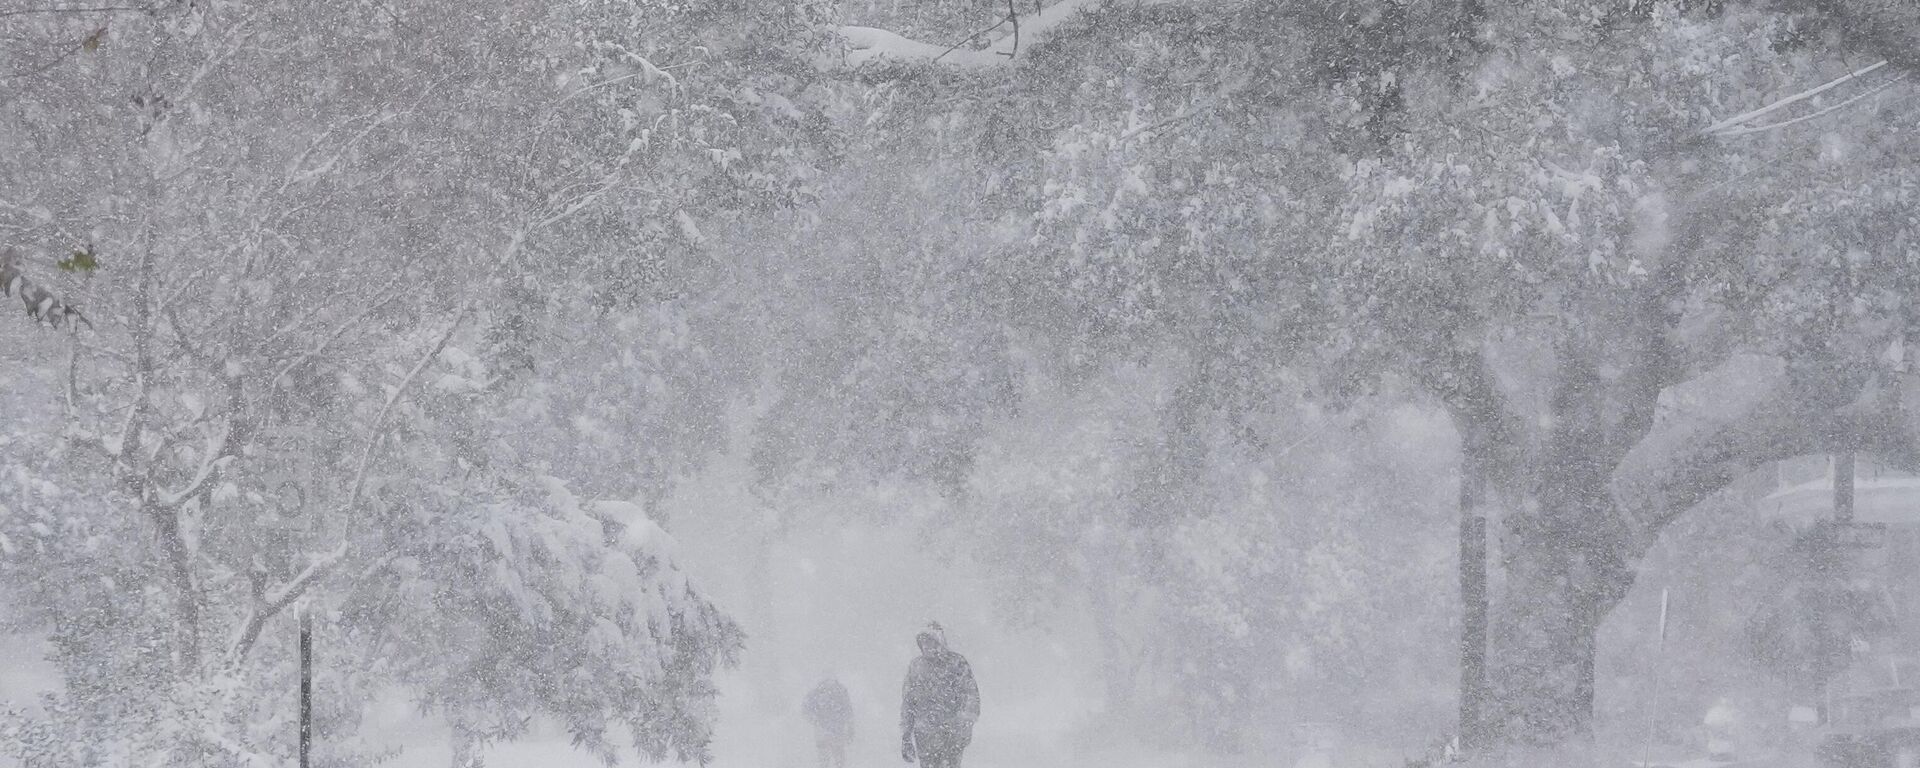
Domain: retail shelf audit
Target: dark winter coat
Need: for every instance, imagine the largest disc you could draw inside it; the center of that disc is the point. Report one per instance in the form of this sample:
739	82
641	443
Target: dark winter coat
830	710
939	704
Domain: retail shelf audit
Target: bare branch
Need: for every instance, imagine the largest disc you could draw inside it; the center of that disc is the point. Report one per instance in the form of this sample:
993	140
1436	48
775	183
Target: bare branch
1790	100
1889	83
338	332
963	41
1014	16
1179	117
192	350
380	419
66	53
297	175
869	46
94	9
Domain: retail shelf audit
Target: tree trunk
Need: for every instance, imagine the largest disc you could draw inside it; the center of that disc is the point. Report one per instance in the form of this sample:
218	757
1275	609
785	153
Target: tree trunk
1567	562
180	567
1543	667
1565	574
465	746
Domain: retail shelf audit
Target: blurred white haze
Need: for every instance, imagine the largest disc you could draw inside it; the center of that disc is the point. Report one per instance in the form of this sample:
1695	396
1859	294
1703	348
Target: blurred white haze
1236	383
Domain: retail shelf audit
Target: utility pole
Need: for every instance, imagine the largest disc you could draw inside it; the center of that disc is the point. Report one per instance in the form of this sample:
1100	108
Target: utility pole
1653	697
1843	488
1836	557
306	685
1473	610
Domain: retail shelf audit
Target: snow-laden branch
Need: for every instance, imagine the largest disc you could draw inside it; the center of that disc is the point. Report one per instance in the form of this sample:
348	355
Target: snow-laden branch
385	296
294	588
871	46
269	604
1740	416
648	71
359	482
1732	132
1728	124
298	173
219	449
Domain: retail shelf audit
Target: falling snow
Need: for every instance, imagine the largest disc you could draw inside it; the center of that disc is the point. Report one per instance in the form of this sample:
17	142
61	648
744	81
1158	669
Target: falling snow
1062	383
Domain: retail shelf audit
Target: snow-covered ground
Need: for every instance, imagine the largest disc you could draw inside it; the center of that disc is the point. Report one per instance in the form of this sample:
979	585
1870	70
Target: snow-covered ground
759	739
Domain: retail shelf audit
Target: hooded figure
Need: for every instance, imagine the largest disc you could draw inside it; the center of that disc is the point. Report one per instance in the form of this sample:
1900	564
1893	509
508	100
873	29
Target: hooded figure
938	704
831	712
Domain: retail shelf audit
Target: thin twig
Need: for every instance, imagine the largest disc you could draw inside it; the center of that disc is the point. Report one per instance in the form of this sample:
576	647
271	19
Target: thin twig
73	377
1014	16
1772	161
57	60
1212	102
1803	118
96	9
338	332
963	41
1790	100
380	419
1158	124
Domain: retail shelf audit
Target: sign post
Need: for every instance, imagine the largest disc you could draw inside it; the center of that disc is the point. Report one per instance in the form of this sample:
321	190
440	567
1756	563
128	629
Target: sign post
306	685
1473	608
1653	697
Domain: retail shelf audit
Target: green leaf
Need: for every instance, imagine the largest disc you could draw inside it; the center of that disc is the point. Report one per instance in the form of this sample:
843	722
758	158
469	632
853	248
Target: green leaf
80	261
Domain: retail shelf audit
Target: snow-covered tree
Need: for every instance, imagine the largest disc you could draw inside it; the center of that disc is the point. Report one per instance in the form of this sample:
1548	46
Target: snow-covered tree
323	264
1511	206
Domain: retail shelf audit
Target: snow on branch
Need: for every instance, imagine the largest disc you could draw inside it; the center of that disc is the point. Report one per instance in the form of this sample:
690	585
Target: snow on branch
1732	132
296	587
1730	126
871	46
267	605
378	431
1744	413
219	450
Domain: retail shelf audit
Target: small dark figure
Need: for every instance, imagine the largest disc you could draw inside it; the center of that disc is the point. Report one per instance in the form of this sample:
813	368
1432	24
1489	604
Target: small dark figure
939	704
831	712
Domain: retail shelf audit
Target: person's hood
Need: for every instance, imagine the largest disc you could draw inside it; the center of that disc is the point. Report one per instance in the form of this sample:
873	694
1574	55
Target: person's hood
935	632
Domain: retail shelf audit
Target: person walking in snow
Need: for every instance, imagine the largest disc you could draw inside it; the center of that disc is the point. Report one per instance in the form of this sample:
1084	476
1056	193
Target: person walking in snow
938	704
831	712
